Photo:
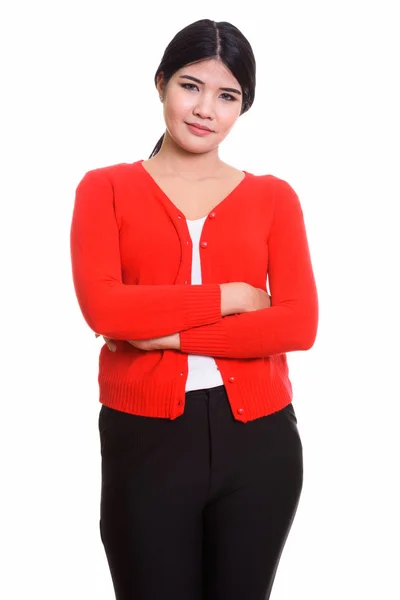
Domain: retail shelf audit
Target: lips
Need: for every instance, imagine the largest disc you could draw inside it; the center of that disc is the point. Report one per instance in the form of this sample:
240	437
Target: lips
202	127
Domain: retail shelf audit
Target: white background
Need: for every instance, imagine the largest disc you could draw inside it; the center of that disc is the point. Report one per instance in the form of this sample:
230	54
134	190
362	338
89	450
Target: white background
78	93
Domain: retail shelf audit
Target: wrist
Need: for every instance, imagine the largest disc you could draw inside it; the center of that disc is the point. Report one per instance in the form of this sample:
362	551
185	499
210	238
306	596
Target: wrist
172	342
177	341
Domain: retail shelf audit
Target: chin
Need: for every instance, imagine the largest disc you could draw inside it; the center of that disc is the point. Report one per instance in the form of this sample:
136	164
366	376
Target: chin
189	143
198	148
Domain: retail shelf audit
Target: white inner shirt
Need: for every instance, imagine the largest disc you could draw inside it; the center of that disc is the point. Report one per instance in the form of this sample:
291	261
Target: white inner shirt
203	370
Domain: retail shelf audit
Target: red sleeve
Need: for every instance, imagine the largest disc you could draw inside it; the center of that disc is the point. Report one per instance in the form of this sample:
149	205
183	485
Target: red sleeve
291	321
110	307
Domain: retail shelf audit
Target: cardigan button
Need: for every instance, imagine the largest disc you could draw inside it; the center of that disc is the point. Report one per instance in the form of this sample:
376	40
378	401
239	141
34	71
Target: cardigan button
204	244
232	379
240	410
211	215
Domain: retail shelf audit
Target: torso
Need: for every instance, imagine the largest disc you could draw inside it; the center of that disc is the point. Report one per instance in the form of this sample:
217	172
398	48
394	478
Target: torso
195	199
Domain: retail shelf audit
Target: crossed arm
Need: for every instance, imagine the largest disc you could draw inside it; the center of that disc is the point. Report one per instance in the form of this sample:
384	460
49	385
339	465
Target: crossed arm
188	318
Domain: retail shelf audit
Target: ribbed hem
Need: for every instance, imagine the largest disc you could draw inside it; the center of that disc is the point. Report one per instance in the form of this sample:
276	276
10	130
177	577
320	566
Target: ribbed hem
149	397
202	305
250	396
259	397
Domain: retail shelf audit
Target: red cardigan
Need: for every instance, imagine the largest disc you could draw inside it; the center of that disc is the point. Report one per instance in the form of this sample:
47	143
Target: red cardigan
131	264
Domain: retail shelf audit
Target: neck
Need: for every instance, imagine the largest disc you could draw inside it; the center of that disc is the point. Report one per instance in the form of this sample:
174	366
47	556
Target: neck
174	160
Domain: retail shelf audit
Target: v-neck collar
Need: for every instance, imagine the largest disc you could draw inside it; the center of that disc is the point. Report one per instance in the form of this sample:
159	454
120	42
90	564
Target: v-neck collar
167	199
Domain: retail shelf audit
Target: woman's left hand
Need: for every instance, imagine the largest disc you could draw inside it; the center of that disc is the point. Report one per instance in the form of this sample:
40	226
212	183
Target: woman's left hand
168	342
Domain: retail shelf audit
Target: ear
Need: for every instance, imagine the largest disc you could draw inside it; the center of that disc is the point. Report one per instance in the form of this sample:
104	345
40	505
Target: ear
160	84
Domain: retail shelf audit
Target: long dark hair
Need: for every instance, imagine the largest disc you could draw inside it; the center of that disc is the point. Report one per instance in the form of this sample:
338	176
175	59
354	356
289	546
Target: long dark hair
210	39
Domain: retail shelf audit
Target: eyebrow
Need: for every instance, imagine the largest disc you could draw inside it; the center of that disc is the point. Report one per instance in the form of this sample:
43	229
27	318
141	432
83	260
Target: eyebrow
224	89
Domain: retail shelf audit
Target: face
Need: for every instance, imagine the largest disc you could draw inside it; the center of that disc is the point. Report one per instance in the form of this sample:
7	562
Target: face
194	96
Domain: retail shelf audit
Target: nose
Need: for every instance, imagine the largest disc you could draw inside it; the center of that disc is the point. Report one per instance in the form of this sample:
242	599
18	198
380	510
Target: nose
204	107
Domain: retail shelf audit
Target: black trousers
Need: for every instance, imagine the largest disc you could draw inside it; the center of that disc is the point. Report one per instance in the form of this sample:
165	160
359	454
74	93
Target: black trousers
198	508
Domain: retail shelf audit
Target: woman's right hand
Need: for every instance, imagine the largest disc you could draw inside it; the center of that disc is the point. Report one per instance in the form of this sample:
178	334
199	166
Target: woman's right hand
240	297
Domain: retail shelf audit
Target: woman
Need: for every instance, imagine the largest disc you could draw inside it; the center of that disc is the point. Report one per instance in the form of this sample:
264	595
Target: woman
201	456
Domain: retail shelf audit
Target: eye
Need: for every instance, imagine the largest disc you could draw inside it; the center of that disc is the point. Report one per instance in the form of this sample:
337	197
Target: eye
230	98
191	85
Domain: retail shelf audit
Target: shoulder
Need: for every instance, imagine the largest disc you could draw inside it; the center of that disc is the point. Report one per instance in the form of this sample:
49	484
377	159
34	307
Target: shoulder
272	182
279	187
272	186
110	173
277	195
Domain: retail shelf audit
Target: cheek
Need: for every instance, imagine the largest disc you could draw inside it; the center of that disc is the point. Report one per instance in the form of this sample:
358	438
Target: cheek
227	118
178	106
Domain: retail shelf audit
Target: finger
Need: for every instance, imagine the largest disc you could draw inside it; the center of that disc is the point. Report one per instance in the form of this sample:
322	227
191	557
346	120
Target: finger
110	344
139	344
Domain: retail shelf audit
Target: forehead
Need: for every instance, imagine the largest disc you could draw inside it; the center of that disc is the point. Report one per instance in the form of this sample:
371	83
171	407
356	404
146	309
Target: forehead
212	72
